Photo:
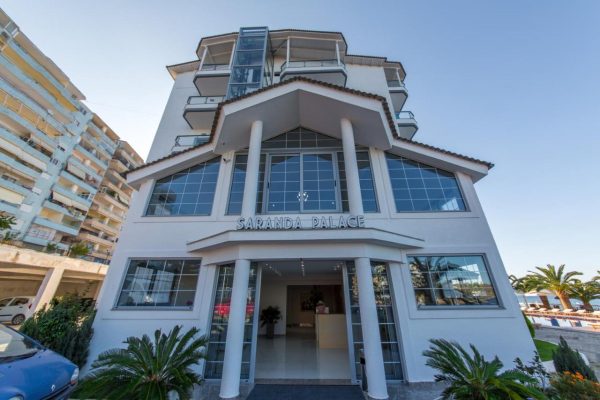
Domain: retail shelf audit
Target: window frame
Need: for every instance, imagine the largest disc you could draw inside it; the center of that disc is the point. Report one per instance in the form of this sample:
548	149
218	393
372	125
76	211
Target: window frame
128	261
487	265
392	197
155	181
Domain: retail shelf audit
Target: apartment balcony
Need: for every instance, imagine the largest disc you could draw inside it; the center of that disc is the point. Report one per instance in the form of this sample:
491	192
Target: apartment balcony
98	145
111	198
199	111
76	180
13	164
212	79
63	226
406	123
69	198
57	206
398	93
328	71
91	154
104	139
117	215
74	162
96	224
23	147
95	238
9	207
15	186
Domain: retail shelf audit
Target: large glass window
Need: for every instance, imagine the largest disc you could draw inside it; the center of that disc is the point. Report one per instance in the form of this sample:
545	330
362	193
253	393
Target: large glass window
451	281
419	187
159	284
189	192
220	320
367	184
385	316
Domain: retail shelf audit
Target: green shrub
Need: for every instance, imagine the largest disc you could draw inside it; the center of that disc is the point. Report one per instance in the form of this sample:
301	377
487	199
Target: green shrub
64	327
568	386
568	360
147	369
529	326
474	378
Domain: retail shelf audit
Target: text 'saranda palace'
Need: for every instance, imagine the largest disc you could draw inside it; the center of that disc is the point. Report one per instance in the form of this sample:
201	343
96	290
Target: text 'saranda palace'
284	173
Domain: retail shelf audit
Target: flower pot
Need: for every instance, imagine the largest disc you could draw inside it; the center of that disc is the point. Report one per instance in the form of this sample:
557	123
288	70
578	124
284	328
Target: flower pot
270	330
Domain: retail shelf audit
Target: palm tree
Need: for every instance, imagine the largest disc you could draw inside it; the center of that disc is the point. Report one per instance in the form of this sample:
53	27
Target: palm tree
586	292
7	221
474	378
556	280
147	369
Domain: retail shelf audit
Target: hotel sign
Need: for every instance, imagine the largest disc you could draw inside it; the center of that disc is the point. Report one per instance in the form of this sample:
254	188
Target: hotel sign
285	223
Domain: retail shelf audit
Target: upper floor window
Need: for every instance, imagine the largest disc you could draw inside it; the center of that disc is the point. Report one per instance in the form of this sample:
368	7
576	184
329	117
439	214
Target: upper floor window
455	280
421	188
188	192
159	283
302	171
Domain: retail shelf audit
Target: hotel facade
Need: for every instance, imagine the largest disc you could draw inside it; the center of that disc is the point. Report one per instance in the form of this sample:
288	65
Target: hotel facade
284	173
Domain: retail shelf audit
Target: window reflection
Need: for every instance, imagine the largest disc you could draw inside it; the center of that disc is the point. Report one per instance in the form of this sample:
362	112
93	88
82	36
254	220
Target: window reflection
451	281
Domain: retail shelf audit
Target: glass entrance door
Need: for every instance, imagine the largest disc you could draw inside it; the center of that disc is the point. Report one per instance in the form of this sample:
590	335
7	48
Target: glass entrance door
302	182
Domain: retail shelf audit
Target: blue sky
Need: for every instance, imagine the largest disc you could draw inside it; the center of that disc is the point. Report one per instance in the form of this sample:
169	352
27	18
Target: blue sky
513	82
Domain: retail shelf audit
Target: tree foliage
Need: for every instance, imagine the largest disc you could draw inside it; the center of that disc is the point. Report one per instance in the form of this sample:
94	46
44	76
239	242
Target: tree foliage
568	360
64	327
7	221
79	249
472	377
586	292
556	280
147	369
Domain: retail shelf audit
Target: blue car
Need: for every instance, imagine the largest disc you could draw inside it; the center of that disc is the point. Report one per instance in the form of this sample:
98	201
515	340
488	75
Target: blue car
29	371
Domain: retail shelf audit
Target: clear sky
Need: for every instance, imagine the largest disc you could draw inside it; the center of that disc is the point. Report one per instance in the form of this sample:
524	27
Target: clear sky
514	82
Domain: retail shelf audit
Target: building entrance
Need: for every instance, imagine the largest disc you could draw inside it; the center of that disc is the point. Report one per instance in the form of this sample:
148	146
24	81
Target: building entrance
310	340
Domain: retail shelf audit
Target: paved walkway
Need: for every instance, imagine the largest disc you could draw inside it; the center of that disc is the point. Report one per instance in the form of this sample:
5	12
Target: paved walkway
305	392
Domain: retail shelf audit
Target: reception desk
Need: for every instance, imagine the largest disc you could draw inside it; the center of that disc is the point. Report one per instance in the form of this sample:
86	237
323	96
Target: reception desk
331	331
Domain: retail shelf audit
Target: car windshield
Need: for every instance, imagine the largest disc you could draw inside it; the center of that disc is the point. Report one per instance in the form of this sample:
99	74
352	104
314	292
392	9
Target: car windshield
14	345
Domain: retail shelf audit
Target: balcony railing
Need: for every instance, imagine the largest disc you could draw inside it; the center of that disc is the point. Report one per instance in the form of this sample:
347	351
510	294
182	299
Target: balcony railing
214	67
204	100
405	115
311	64
395	83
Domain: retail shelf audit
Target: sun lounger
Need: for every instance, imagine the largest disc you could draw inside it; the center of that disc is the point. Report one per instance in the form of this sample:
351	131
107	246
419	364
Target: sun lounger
581	311
568	311
555	310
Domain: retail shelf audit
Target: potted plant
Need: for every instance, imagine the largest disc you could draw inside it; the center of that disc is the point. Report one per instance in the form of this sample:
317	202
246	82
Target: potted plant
269	317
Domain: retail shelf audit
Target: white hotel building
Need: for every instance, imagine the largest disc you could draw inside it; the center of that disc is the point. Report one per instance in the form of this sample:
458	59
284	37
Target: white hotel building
284	172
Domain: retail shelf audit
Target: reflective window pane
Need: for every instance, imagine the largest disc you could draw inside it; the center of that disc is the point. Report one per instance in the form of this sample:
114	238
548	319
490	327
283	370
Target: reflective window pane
421	188
189	192
159	283
451	281
367	184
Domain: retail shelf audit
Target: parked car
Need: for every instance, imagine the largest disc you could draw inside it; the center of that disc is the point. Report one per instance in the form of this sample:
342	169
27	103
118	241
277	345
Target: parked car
14	309
29	371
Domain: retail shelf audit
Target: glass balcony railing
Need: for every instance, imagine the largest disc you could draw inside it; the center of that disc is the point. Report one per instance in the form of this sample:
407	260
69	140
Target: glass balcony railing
311	64
395	83
405	115
214	67
204	100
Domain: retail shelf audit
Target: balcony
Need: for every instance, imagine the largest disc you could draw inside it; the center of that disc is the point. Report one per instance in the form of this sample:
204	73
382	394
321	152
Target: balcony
101	226
398	93
95	238
57	206
15	186
212	79
14	164
9	207
406	123
199	111
63	226
92	155
73	162
328	71
89	184
81	201
116	215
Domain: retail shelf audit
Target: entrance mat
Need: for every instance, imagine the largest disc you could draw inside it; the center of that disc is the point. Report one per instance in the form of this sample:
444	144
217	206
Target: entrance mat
305	392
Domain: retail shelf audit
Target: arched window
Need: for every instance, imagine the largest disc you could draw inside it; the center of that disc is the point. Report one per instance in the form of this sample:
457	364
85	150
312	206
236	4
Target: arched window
421	188
188	192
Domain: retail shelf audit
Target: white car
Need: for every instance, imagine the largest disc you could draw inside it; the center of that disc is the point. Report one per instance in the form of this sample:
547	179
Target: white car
14	309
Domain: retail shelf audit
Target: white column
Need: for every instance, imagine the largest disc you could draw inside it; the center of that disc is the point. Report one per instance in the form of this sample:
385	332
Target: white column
203	58
47	289
370	330
232	362
351	166
232	54
337	52
287	53
252	169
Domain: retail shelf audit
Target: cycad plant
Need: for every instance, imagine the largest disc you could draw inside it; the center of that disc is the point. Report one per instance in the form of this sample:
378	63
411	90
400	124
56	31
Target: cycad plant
147	369
557	280
472	377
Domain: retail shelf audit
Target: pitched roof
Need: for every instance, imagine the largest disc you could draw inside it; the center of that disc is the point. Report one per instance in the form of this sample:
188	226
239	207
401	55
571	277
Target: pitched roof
382	99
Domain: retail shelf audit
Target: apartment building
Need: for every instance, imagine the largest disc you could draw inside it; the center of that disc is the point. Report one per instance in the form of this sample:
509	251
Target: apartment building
60	164
284	173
